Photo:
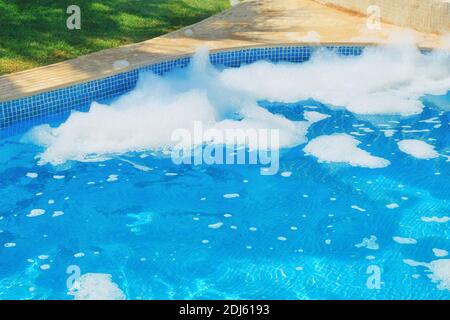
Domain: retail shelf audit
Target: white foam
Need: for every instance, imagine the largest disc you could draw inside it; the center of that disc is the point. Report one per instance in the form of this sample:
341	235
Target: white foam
112	178
380	81
440	252
231	195
32	175
355	207
440	273
418	149
369	243
286	174
392	206
439	269
343	148
402	240
146	118
35	213
9	244
443	219
215	225
97	286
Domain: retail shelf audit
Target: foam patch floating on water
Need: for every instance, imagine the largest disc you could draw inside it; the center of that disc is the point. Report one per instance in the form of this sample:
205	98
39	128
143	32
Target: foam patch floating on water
440	271
443	219
392	206
402	240
35	213
418	149
231	195
440	252
369	243
342	148
97	286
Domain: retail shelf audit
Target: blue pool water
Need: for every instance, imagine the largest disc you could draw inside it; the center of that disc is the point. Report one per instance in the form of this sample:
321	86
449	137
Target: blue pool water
169	232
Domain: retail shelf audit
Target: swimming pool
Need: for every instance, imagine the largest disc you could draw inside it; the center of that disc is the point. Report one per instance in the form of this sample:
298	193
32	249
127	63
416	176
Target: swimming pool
358	207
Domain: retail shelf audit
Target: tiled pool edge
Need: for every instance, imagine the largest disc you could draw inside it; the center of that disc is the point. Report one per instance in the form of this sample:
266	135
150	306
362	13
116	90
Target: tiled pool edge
80	96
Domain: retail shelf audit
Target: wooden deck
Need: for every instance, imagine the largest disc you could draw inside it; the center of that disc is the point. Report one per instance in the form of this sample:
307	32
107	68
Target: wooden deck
254	23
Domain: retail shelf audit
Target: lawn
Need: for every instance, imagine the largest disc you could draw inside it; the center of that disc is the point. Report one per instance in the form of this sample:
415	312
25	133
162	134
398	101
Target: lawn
34	33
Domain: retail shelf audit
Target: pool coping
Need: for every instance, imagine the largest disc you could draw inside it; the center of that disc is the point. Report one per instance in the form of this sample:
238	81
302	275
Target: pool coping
250	24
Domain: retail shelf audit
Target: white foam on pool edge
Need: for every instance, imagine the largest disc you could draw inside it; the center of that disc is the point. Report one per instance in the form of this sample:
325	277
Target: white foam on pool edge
418	149
147	118
342	148
97	286
381	80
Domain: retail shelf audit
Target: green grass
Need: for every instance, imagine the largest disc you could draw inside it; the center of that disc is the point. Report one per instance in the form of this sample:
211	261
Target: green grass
34	33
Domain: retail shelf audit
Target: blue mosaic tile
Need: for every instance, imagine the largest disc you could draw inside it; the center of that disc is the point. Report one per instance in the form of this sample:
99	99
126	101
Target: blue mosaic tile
79	97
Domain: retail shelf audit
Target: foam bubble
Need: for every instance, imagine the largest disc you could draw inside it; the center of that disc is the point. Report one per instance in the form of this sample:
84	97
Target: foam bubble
97	286
443	219
392	206
286	174
32	175
343	148
215	225
112	178
369	243
440	252
231	195
355	207
402	240
36	213
418	149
